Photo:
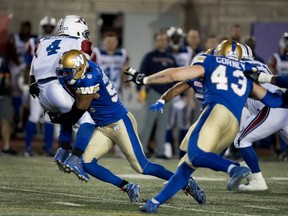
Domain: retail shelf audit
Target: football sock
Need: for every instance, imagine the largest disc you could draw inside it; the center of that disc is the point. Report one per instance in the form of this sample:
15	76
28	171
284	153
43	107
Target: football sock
83	136
157	170
177	182
48	137
65	134
77	152
250	158
29	134
102	173
211	160
123	183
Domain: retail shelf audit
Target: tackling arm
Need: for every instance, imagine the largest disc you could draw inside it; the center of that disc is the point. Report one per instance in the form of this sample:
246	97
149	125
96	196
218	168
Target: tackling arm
165	76
79	107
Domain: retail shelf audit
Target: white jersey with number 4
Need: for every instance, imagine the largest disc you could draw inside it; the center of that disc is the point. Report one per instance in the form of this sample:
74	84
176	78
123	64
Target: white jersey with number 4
49	51
53	97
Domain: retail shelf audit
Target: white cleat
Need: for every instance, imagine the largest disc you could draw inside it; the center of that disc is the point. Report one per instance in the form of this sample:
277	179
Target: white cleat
257	183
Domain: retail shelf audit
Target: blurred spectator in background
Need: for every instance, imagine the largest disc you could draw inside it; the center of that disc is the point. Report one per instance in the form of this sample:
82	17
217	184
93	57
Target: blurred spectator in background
46	28
236	32
17	66
5	105
156	60
193	40
211	42
112	60
180	115
251	42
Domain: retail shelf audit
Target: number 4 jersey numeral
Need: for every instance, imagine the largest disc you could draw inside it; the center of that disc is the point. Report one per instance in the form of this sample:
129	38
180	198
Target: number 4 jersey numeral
53	47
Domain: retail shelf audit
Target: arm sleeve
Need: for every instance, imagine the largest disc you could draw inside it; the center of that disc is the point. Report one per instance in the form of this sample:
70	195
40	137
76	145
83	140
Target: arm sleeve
273	100
70	117
282	81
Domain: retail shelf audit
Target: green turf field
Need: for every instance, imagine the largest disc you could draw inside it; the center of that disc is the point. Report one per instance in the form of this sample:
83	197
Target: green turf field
34	186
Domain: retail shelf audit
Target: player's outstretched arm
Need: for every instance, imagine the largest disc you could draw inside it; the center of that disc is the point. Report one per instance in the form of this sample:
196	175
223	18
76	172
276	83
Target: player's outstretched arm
165	76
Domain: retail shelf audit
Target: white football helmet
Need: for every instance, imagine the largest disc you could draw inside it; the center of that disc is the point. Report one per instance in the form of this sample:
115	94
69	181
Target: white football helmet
75	26
283	43
47	25
247	53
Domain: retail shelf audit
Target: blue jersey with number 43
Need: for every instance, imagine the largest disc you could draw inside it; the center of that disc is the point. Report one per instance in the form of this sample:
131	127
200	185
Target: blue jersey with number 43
107	108
224	82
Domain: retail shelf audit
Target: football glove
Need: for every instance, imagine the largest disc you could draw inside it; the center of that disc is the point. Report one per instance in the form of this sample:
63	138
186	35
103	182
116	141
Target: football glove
54	117
34	89
258	76
158	106
70	117
134	76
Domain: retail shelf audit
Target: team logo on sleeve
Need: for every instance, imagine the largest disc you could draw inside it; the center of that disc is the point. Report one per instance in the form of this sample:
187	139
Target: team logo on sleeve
88	90
199	59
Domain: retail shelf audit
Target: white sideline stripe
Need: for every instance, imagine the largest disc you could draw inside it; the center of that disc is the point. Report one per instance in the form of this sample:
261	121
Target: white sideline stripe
261	207
103	200
68	204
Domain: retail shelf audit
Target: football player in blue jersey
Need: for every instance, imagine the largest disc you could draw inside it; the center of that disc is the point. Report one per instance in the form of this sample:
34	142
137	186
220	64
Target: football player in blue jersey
114	125
73	65
226	90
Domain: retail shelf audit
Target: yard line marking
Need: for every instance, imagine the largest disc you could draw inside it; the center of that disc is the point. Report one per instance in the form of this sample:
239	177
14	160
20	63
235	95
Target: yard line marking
103	200
206	211
72	211
68	204
262	207
198	178
139	176
279	178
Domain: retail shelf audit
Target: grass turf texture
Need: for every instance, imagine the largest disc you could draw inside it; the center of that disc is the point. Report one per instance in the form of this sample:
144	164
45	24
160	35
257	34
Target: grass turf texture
34	186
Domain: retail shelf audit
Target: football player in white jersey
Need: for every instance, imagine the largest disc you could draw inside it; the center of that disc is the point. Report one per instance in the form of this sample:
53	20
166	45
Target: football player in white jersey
181	109
73	34
258	123
278	64
46	27
112	60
